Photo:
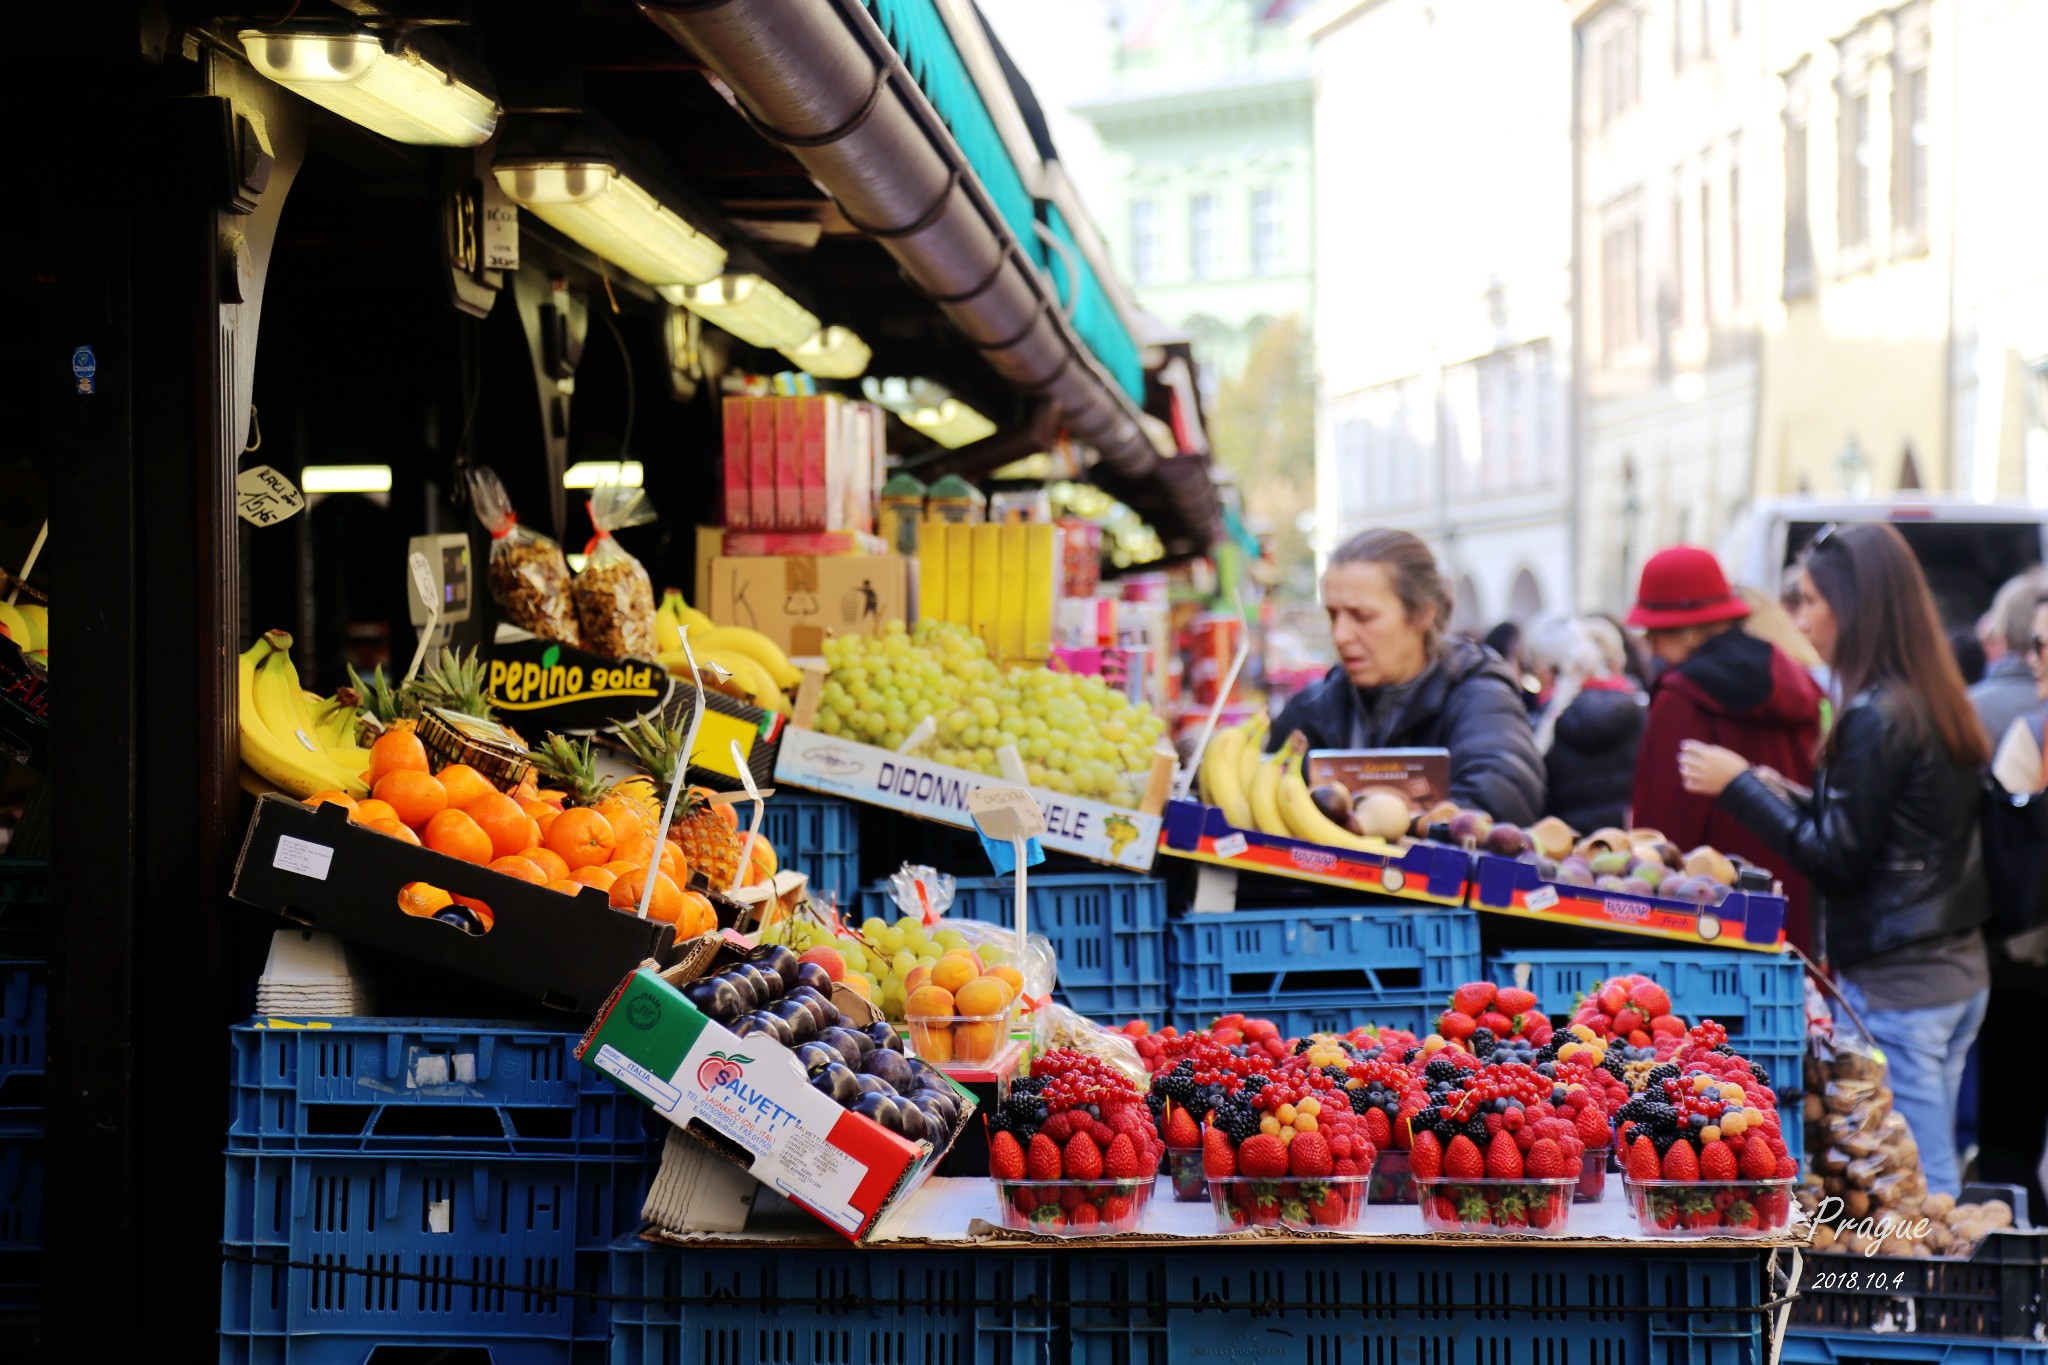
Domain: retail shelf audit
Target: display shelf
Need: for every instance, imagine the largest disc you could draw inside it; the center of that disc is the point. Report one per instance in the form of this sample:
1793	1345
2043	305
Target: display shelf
426	1085
1746	919
1435	873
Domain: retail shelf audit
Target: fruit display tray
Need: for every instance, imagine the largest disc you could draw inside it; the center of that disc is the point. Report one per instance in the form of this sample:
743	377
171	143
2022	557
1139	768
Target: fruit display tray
317	868
1746	919
425	1086
1436	873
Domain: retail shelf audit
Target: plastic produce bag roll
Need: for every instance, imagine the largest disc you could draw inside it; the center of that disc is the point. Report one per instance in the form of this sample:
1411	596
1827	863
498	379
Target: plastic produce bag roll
529	577
614	596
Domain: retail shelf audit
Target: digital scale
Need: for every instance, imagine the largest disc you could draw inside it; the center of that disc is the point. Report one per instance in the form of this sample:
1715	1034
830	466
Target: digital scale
438	573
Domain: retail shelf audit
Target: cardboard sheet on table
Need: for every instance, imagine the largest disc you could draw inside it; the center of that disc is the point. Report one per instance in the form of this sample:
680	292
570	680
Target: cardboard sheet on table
962	1212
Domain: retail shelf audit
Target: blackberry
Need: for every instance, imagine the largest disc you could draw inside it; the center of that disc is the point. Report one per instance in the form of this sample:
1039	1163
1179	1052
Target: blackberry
1238	1121
1156	1102
1302	1045
1024	1110
1440	1070
1337	1074
1659	1117
1613	1066
1408	1057
1482	1042
1662	1072
999	1122
1360	1100
1763	1077
1477	1131
1178	1085
1029	1085
1253	1084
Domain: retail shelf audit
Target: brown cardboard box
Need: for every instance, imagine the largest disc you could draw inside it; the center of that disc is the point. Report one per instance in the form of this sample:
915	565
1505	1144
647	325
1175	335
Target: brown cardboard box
797	601
710	545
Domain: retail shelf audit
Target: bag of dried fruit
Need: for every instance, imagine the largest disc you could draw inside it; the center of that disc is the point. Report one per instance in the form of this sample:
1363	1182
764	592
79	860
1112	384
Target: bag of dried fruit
614	596
529	577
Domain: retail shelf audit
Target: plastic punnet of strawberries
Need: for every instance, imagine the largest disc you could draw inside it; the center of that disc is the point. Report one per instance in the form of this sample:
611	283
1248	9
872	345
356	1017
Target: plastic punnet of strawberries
1290	1152
1073	1150
1500	1148
1704	1156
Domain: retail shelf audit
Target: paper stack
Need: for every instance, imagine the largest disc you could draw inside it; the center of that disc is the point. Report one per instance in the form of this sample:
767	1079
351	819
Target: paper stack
308	974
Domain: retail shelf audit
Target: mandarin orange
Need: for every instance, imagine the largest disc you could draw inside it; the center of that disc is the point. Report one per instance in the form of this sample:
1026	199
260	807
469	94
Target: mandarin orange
452	832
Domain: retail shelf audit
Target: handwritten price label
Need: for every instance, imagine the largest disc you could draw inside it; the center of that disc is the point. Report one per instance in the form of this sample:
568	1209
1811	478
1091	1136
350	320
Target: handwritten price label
264	497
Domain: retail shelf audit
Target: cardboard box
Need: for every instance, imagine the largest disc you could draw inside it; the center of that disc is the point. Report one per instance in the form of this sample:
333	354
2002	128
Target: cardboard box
710	545
1014	555
817	418
738	473
761	460
752	544
749	1100
1421	777
789	465
797	601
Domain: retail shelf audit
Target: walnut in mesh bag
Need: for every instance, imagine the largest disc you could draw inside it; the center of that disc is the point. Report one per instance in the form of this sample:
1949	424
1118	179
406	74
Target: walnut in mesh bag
614	596
528	575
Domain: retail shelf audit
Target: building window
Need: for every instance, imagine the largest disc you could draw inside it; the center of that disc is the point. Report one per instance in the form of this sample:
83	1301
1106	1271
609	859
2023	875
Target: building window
1853	152
1706	29
1203	249
1618	52
1144	241
1265	232
1706	252
1734	229
1678	8
1677	254
1909	129
1621	247
1798	229
1735	18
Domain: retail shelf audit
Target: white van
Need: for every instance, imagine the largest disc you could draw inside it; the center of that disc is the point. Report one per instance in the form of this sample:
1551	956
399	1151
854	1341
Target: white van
1966	548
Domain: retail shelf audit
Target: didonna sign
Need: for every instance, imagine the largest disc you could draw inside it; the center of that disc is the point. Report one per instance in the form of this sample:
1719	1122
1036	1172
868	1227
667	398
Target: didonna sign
936	791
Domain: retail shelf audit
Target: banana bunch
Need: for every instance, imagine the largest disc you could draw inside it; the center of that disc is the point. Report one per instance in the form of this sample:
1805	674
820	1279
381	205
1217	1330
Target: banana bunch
296	741
758	666
672	618
1269	794
28	625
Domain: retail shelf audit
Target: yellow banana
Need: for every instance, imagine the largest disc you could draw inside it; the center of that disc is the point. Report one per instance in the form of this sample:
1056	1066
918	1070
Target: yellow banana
691	618
1254	740
1298	808
16	627
38	617
285	765
754	645
747	674
1226	792
668	626
1265	798
282	704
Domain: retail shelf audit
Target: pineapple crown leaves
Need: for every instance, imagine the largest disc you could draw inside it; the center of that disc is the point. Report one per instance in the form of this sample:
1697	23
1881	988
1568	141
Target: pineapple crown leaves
454	681
656	745
565	761
378	698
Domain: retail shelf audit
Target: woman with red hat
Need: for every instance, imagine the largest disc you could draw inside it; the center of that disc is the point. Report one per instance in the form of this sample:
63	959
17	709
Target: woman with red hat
1724	687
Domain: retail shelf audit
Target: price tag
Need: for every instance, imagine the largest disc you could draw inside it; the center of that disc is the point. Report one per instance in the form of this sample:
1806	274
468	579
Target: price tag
1542	898
1006	812
423	582
306	859
1231	845
264	497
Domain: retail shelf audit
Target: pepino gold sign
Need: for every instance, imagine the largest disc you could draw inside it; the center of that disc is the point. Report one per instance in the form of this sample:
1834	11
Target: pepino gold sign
572	689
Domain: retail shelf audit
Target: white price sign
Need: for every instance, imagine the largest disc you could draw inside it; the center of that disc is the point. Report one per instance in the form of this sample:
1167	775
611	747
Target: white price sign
1006	812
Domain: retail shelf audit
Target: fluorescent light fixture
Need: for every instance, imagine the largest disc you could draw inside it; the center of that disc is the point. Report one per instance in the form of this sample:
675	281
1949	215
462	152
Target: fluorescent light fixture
831	353
594	473
593	204
951	423
399	94
898	394
750	308
345	478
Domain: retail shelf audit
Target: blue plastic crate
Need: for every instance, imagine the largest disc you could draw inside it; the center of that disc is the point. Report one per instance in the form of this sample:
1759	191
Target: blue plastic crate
1116	1003
427	1085
1759	998
24	1013
1818	1346
377	1349
21	1222
1107	928
461	1251
1448	1304
818	836
24	901
806	1308
1369	951
1303	1015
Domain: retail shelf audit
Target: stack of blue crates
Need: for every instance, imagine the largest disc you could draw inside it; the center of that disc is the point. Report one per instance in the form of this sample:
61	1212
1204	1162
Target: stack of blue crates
24	1009
818	836
423	1183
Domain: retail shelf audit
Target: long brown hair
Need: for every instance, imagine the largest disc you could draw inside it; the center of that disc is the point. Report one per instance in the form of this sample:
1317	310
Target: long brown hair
1888	636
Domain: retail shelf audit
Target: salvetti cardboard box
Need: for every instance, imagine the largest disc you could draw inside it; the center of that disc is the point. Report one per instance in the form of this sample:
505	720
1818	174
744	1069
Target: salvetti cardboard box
748	1100
799	600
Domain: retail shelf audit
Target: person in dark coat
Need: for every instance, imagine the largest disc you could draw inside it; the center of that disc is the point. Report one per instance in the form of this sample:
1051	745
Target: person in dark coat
1401	683
1724	687
1589	724
1889	833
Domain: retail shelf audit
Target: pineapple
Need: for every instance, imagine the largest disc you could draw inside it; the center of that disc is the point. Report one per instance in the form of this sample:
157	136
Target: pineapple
454	682
701	829
378	698
568	765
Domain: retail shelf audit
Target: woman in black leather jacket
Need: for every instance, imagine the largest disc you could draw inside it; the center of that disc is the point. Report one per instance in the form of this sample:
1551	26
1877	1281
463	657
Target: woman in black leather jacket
1888	837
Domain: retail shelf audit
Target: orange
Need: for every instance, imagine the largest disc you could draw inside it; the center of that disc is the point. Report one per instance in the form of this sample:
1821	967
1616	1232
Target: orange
528	788
619	867
423	900
582	837
625	822
547	860
363	812
498	815
698	916
568	887
765	858
726	811
397	750
594	876
541	813
452	832
464	783
520	868
666	904
483	911
674	863
342	799
416	797
394	829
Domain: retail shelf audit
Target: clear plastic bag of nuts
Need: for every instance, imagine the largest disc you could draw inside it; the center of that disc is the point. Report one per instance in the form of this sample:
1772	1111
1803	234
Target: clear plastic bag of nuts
614	596
529	577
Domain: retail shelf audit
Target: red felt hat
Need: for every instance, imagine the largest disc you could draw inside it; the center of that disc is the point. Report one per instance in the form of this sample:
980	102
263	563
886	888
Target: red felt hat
1684	586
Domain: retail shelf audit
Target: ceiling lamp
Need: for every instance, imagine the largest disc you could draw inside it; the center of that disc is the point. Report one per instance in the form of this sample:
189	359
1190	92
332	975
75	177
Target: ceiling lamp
951	423
345	478
750	308
602	473
595	205
831	353
399	94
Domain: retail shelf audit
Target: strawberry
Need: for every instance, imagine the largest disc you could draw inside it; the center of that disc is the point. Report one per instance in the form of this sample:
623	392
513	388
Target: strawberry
1717	1162
1025	1200
1592	1127
1116	1210
1049	1218
1667	1026
1263	1156
1512	1211
1462	1160
1073	1196
1773	1208
1377	1130
1612	998
1700	1213
1308	1156
1426	1157
1005	1157
1528	1023
1443	1210
1627	1022
1546	1162
1787	1168
1349	1165
1455	1024
1084	1216
1663	1210
1649	999
1503	1158
1681	1163
1060	1126
1181	1129
1083	1158
1547	1211
1502	1026
1219	1158
1643	1162
1740	1214
1514	1000
1042	1158
1331	1209
1120	1162
1473	997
